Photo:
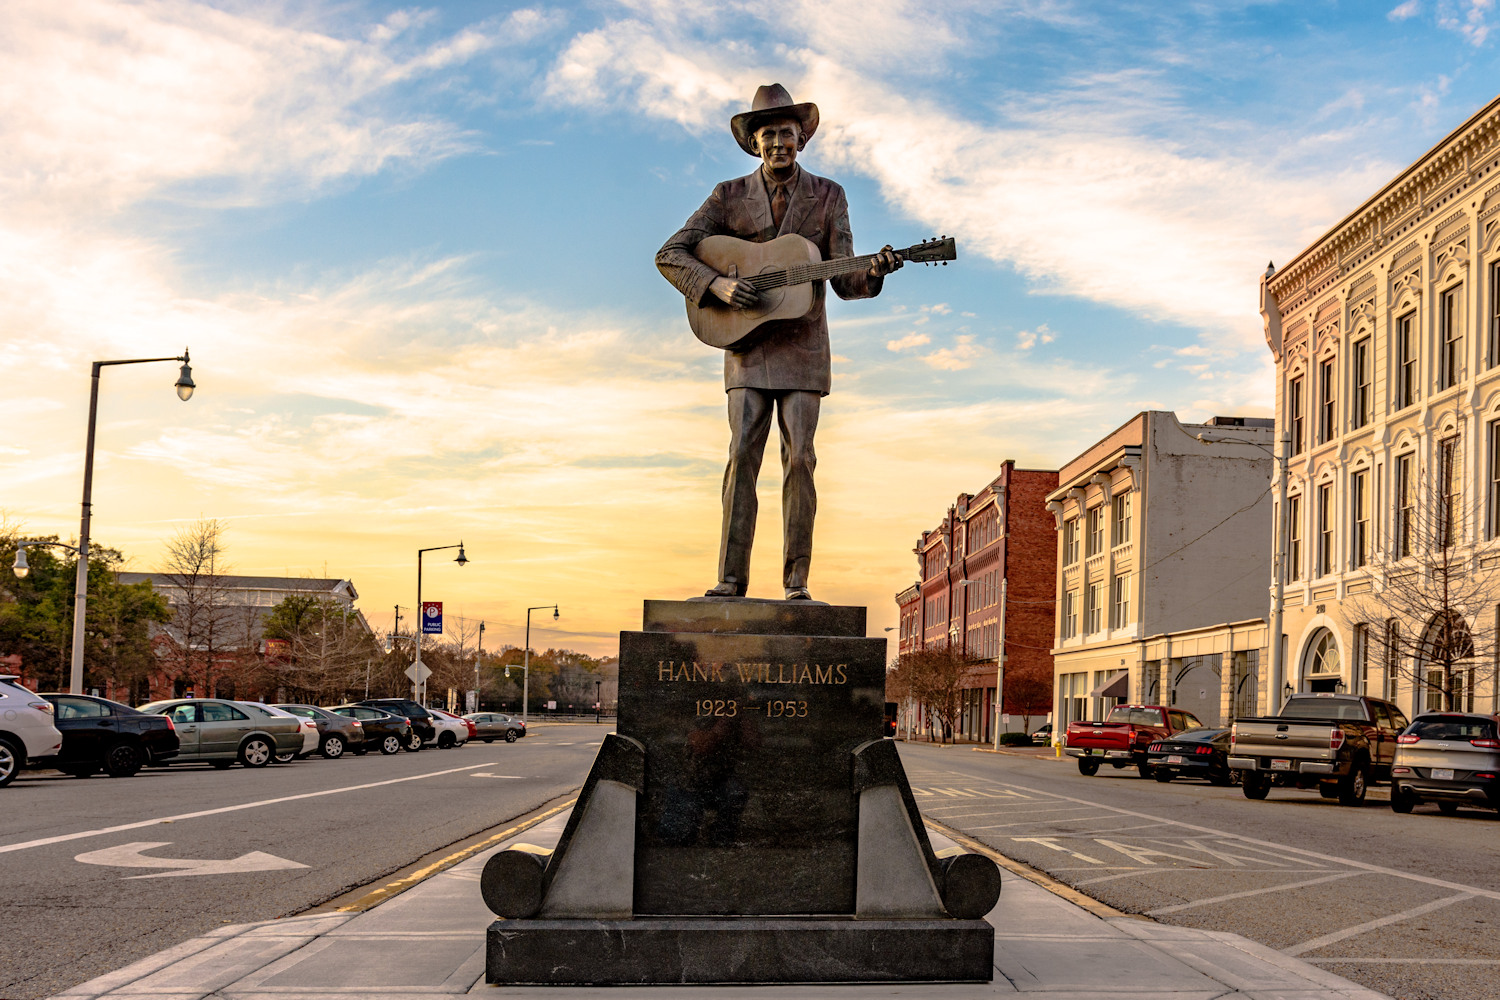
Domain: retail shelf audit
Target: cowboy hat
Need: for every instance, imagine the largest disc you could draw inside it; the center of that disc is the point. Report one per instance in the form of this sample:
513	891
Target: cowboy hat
771	102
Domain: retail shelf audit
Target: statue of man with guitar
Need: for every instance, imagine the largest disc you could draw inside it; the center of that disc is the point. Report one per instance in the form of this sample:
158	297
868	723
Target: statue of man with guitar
752	262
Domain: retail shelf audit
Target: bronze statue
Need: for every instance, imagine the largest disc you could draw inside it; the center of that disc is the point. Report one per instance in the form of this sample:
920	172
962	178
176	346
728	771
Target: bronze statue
783	365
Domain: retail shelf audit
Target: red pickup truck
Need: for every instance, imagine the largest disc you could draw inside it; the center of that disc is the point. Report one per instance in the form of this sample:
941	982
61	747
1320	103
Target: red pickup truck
1122	739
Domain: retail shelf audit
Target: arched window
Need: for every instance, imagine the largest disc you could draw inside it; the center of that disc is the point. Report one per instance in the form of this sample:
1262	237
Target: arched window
1323	665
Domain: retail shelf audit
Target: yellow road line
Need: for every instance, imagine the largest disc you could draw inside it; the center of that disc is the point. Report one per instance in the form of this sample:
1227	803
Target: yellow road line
1031	874
385	892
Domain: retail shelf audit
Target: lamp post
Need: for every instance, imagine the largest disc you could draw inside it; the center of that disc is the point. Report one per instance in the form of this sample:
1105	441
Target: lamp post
185	387
598	699
419	684
526	657
478	657
1278	558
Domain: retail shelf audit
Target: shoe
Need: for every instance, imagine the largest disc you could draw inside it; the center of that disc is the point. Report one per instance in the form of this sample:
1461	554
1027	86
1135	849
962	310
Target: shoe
798	594
726	589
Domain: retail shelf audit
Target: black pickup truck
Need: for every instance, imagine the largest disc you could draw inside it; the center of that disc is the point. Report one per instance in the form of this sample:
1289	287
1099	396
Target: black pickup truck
1337	743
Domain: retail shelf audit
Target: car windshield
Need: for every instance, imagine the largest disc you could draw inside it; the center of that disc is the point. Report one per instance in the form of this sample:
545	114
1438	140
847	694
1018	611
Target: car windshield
1136	716
1323	708
1451	727
1204	735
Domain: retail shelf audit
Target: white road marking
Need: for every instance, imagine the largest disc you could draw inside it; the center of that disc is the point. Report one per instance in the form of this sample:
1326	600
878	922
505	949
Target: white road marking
1282	850
1048	842
130	856
1249	892
1404	961
1170	871
486	774
1142	855
1370	925
63	838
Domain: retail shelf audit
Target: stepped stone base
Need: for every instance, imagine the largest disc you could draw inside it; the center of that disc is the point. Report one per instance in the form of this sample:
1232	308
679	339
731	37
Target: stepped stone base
699	950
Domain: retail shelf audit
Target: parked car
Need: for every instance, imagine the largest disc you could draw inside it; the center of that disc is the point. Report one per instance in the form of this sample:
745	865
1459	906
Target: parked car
27	733
423	730
220	732
492	726
384	731
309	729
1337	743
1451	758
1042	736
101	734
453	730
336	733
1192	753
1123	738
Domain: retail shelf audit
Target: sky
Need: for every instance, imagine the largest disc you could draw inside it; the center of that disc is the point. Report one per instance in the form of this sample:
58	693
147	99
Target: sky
411	250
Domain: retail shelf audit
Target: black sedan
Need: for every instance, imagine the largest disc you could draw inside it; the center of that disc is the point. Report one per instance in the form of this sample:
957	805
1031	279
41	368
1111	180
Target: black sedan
383	731
102	734
336	733
1192	753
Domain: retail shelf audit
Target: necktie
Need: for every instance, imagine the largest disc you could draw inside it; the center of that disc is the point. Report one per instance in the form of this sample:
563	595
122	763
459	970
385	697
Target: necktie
778	204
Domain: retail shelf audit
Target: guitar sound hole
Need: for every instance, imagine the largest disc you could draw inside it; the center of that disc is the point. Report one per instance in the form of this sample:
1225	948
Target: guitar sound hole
769	299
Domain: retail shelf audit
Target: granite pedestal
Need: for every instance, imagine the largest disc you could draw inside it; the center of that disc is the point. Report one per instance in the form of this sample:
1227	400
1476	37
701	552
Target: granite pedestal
747	823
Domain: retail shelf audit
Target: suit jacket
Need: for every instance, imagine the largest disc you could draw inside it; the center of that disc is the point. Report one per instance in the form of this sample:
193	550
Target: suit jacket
791	354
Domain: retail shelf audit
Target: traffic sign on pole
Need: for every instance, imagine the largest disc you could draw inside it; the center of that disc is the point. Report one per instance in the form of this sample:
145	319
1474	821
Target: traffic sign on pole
418	672
432	617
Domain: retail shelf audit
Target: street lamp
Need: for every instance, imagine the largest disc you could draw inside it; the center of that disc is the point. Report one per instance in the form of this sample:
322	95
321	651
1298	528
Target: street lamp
185	387
526	665
1278	563
419	683
478	657
21	567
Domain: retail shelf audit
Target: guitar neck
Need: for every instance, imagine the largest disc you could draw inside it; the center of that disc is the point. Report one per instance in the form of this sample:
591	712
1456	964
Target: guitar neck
820	271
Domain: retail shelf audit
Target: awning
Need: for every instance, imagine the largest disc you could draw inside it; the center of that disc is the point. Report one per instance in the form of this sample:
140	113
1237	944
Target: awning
1117	686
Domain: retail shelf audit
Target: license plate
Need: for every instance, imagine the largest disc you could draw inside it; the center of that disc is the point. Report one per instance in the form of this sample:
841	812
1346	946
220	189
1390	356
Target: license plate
1442	773
1281	765
1174	759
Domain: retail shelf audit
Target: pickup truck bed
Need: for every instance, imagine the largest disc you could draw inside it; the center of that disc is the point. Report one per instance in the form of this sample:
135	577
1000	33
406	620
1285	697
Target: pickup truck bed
1338	744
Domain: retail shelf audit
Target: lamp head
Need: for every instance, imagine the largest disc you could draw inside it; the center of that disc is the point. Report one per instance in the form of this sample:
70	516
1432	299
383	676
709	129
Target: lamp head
184	383
462	559
555	613
20	568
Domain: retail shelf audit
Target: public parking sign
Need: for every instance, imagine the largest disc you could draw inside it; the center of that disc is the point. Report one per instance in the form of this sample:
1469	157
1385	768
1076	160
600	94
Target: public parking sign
432	617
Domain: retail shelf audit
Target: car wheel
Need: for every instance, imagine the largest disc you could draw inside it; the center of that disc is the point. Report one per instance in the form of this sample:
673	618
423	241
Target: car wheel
1254	786
221	765
1448	808
1144	770
414	742
511	736
446	741
1402	802
10	762
257	751
1352	789
390	745
122	760
1161	774
1086	766
333	747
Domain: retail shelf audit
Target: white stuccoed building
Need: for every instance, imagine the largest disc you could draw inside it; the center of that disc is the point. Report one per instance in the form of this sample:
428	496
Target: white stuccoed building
1386	337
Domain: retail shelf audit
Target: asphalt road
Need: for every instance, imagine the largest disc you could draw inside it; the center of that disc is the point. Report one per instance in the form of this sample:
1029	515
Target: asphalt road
1408	905
343	823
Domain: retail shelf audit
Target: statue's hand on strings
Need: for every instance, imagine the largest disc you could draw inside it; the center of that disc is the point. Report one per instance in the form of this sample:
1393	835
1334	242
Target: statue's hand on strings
735	292
884	262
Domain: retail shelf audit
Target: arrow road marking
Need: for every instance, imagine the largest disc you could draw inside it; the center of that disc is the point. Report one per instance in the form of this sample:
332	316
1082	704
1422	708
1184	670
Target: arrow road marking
130	856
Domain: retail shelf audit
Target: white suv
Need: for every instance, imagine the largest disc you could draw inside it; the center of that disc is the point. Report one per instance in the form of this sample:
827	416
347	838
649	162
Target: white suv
26	729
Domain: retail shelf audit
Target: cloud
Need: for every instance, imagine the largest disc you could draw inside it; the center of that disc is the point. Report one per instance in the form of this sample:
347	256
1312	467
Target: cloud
110	103
1027	339
961	355
1400	12
908	341
1467	17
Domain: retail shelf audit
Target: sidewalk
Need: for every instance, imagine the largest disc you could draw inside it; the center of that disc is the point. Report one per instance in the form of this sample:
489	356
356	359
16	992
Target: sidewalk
429	942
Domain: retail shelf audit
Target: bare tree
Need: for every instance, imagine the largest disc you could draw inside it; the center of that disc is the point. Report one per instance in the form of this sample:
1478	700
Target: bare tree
937	676
328	651
1431	619
200	619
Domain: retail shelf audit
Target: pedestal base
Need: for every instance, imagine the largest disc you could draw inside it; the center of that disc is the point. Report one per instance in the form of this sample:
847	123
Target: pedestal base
684	950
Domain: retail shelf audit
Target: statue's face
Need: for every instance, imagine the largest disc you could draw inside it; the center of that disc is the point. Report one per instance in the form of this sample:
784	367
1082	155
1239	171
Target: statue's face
778	141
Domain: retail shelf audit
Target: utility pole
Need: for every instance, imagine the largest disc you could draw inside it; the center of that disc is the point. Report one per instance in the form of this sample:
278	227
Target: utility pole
1000	664
1278	572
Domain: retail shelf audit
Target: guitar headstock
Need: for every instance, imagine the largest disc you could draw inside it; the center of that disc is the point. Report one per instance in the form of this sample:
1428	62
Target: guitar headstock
939	249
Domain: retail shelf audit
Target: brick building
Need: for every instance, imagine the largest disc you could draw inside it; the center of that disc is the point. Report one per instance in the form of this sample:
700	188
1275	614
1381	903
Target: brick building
999	541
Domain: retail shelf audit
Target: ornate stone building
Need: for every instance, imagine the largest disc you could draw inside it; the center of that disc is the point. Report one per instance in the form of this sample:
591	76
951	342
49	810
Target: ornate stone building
1386	337
1161	568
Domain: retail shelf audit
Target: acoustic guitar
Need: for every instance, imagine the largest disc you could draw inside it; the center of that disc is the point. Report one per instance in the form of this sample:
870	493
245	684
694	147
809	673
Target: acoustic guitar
783	272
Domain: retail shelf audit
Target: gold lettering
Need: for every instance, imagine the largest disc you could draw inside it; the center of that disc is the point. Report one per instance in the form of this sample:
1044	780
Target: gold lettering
663	670
824	675
700	672
746	672
806	676
843	677
717	671
683	673
781	673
